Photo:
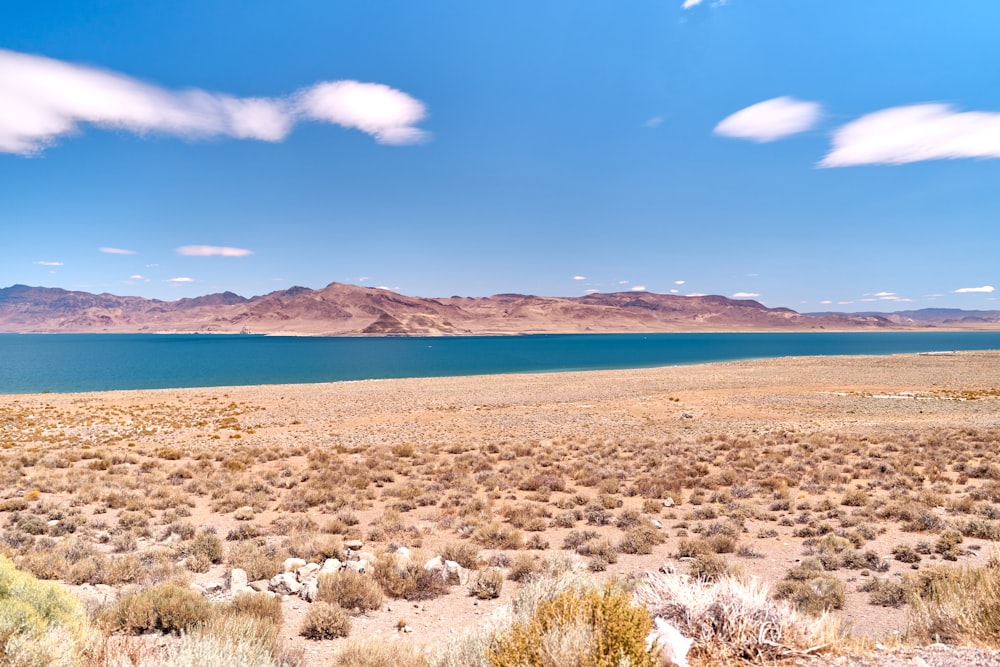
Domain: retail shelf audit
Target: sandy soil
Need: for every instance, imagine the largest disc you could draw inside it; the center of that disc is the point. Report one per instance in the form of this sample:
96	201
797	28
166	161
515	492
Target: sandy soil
858	397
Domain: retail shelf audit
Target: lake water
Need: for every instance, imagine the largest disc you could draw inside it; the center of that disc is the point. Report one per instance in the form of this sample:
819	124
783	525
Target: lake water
31	363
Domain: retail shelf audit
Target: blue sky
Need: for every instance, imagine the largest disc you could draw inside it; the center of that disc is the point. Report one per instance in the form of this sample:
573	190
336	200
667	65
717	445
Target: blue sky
818	155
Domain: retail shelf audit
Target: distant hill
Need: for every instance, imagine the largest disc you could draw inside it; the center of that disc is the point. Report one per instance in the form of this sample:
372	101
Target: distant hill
340	309
928	316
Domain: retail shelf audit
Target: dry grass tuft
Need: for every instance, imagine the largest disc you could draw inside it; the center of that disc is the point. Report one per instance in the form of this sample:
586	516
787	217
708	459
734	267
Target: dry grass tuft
732	619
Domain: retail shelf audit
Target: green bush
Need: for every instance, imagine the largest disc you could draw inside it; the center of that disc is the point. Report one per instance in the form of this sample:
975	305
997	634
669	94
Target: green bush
578	627
41	623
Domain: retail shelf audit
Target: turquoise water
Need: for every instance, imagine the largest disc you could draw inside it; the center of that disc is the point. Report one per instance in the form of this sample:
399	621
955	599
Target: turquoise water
31	363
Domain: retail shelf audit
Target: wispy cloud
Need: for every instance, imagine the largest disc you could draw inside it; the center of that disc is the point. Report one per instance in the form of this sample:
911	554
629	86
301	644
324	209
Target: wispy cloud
212	250
655	121
44	98
116	251
913	134
180	281
745	295
49	263
770	120
638	288
679	282
985	289
579	277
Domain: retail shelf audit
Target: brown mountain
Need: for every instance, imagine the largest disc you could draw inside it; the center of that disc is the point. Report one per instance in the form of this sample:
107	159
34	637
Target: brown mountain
340	309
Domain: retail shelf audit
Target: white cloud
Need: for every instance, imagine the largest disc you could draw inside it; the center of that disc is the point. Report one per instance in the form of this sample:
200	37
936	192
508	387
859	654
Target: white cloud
745	295
770	120
592	291
136	276
623	282
914	133
212	250
180	281
679	282
825	302
655	121
638	288
844	303
49	263
387	114
696	294
985	289
674	291
44	98
116	251
579	277
688	4
883	295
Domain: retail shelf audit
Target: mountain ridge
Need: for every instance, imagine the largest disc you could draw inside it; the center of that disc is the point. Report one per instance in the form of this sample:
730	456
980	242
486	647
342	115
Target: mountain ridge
344	309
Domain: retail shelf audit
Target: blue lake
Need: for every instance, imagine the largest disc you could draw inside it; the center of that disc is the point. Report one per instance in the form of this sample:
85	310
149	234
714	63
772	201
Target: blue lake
31	363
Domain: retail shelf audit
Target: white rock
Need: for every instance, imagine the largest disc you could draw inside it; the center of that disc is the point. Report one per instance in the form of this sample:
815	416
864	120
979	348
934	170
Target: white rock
292	564
434	564
331	565
309	591
668	502
673	645
353	545
358	566
453	571
307	571
237	580
285	584
656	524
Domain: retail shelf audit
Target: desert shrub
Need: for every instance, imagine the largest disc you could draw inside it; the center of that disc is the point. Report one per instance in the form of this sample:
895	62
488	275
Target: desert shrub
463	553
640	539
734	620
325	621
258	606
487	584
904	553
166	607
814	593
206	545
227	641
522	567
41	623
586	627
375	653
537	542
855	498
709	567
956	605
350	590
884	593
259	561
947	544
407	580
499	536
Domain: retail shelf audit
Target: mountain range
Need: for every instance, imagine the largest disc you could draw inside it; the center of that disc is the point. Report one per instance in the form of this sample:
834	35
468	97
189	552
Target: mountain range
342	309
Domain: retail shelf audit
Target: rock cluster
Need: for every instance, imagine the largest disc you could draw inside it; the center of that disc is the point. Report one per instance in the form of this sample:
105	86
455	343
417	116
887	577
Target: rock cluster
301	578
